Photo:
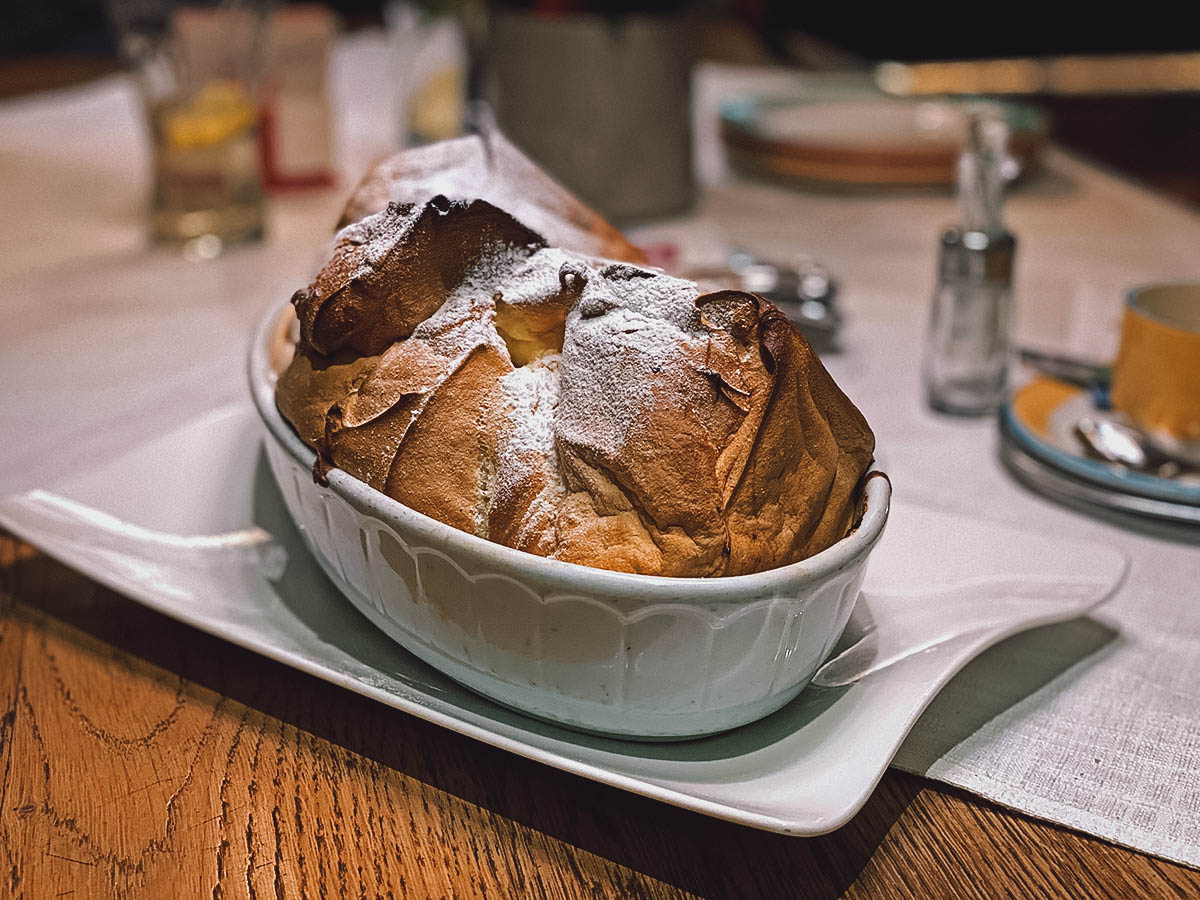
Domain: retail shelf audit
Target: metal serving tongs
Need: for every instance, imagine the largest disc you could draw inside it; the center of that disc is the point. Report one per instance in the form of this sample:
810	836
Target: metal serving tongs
805	291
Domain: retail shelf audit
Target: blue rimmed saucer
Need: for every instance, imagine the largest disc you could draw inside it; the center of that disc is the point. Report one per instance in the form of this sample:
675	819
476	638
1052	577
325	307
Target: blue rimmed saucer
1037	428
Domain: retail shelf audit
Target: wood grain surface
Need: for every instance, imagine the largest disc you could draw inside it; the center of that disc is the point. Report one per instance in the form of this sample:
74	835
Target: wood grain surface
140	757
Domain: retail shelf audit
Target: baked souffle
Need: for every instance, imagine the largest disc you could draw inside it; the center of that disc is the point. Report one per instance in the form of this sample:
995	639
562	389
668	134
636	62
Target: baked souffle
582	408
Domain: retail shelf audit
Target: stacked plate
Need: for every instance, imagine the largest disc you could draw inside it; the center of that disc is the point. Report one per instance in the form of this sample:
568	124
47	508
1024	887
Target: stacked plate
1040	447
864	140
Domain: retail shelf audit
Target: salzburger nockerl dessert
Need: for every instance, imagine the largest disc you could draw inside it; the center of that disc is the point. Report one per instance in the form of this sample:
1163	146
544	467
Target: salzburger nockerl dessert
488	352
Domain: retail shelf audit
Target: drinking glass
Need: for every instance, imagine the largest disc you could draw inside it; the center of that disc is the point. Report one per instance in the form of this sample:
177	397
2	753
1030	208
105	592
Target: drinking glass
197	66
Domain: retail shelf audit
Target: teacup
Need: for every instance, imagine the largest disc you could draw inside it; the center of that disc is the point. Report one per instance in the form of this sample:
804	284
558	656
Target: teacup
1156	376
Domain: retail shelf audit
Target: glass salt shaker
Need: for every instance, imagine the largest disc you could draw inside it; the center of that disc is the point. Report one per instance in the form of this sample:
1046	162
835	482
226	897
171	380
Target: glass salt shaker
966	353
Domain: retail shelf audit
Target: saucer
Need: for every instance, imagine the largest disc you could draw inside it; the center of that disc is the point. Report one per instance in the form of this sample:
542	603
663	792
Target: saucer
1039	445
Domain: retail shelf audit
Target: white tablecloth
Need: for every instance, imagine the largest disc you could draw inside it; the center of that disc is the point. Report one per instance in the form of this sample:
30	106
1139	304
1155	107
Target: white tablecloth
1094	723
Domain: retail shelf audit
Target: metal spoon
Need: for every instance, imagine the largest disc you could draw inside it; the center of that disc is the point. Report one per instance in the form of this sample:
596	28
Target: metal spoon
1127	446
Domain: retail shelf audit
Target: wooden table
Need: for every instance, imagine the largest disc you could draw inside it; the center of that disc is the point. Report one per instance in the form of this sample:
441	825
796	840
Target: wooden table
141	757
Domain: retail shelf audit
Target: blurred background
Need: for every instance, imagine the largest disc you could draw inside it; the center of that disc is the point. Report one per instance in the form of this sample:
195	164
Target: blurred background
1147	125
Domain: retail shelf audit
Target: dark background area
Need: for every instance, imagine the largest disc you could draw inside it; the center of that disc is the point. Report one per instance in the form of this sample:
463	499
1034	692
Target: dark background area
965	32
1153	138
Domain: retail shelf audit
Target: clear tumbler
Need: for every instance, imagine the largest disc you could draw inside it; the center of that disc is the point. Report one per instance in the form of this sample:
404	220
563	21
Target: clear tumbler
197	65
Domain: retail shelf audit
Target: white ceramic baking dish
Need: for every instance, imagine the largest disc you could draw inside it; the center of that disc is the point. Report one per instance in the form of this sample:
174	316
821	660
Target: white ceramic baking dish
628	655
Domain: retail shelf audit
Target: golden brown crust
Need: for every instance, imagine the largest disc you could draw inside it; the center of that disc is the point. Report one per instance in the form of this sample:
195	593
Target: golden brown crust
444	461
429	248
795	496
597	413
490	168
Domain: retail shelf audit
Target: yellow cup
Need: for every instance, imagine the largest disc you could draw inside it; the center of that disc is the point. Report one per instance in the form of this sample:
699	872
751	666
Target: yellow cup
1156	376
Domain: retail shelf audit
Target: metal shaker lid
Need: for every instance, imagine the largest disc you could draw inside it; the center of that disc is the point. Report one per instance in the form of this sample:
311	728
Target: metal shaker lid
976	257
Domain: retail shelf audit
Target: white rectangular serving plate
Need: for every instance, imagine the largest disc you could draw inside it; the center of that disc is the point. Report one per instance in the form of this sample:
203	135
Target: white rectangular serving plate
192	525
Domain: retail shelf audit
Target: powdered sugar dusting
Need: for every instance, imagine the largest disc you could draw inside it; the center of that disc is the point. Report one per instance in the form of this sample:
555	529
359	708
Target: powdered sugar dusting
654	295
613	361
378	233
527	449
467	317
536	279
626	331
485	168
627	337
532	393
